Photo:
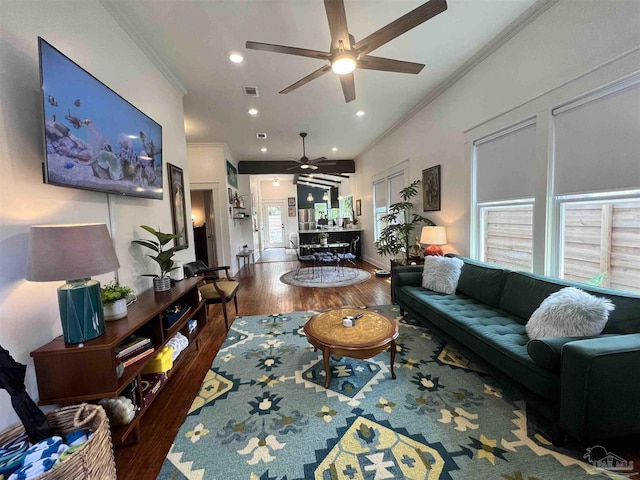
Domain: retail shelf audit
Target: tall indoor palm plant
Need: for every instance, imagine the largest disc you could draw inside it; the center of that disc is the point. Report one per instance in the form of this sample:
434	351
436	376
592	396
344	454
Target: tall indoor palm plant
400	224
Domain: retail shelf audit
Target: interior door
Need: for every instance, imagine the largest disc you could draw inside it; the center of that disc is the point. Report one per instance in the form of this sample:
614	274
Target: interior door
209	213
274	214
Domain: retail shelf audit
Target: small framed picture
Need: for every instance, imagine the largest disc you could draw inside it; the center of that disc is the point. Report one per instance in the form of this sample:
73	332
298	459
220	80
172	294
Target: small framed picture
230	193
431	189
358	208
291	201
178	205
292	211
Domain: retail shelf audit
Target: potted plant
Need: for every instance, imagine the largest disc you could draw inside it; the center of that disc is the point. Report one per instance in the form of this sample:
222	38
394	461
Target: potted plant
400	222
114	300
164	258
324	237
245	248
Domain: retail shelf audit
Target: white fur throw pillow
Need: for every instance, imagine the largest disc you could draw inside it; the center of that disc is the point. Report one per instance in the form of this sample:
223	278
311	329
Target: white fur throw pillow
569	312
441	274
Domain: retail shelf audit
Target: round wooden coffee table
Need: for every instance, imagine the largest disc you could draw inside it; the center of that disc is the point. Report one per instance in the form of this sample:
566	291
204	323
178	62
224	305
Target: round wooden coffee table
372	334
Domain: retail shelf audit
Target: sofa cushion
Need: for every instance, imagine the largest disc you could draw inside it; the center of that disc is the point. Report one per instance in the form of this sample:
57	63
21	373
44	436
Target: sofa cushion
441	274
569	312
482	281
524	292
547	352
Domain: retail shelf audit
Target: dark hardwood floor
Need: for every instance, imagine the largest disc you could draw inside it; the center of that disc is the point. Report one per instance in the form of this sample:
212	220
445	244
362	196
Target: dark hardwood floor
261	293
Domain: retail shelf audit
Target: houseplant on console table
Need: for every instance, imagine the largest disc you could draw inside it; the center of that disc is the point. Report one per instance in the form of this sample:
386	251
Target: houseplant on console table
164	258
114	300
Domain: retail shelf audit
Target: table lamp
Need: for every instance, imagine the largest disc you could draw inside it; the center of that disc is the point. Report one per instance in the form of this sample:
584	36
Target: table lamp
433	236
73	253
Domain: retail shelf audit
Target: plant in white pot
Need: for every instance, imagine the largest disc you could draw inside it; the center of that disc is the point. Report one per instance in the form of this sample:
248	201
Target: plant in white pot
324	237
164	258
114	300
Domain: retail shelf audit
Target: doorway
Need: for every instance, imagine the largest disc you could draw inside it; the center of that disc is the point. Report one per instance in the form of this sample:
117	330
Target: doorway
274	218
204	230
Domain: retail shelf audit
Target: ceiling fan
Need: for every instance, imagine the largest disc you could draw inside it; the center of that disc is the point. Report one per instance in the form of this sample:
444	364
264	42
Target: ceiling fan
345	54
304	161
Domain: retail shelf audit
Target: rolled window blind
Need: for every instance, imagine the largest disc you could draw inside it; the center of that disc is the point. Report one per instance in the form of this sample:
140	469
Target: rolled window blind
396	183
505	164
380	194
598	143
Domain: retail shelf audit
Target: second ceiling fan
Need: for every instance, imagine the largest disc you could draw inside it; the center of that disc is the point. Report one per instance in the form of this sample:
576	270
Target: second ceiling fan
304	161
345	54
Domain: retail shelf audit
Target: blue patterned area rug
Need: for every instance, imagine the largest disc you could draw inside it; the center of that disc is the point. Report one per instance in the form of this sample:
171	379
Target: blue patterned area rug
262	414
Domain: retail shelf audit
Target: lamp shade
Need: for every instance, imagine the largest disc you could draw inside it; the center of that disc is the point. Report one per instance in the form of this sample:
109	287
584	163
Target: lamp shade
433	236
69	252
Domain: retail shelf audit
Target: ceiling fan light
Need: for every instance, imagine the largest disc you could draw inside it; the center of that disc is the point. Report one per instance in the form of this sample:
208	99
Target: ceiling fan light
343	63
304	166
313	167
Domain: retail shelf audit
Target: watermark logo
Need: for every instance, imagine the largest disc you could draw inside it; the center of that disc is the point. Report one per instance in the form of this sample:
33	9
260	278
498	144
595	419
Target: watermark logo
601	459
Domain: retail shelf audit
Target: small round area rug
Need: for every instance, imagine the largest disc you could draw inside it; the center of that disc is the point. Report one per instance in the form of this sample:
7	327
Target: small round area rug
325	277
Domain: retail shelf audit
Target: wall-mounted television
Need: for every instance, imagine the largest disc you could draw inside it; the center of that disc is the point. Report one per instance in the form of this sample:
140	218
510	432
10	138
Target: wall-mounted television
94	138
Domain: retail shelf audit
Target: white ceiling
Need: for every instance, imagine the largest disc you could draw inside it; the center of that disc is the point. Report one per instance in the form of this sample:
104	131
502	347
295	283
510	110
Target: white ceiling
189	40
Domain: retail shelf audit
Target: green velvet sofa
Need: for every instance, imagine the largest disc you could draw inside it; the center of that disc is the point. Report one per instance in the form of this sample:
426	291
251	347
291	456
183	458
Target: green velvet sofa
588	387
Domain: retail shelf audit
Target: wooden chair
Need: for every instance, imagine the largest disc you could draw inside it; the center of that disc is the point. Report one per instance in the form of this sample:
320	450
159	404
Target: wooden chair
214	290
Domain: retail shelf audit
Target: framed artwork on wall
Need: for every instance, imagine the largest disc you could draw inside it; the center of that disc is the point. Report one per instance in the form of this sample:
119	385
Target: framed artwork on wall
232	175
178	205
291	201
431	189
292	211
358	208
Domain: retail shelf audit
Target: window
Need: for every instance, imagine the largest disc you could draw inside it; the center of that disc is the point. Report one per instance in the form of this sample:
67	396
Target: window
504	187
596	187
599	242
386	192
508	235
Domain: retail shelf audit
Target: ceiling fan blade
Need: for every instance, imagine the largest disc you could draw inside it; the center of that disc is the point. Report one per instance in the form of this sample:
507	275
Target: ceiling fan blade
388	65
337	19
401	25
316	160
307	79
348	86
302	52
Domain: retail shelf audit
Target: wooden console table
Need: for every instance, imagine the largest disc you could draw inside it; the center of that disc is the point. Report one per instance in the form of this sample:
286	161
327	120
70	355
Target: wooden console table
70	373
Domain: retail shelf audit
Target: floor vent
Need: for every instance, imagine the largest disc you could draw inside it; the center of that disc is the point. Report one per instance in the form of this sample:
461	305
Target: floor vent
251	91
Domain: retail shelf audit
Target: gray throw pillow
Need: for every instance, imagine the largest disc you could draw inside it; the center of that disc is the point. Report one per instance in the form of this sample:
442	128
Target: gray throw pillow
441	274
569	312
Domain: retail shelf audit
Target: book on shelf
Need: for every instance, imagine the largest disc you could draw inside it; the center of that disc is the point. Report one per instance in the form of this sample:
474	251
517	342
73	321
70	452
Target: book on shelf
130	344
140	356
134	353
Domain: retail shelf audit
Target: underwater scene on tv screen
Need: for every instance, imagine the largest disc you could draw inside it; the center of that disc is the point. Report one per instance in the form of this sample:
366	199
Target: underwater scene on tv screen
94	138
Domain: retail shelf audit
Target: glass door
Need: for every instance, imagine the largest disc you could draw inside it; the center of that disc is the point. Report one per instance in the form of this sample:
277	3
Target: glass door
274	224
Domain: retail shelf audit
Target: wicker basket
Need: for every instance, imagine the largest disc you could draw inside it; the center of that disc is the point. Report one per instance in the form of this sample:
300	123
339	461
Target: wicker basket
93	461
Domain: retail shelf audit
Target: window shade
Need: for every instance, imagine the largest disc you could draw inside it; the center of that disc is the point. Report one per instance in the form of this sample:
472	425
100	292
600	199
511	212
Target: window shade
505	165
396	183
380	194
598	144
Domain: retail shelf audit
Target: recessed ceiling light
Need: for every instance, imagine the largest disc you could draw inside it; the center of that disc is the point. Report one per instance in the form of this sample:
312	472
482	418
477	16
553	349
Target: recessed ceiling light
235	57
263	149
254	111
334	149
360	113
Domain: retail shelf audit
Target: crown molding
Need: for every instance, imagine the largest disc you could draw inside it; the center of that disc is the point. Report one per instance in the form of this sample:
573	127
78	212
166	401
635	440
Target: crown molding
129	28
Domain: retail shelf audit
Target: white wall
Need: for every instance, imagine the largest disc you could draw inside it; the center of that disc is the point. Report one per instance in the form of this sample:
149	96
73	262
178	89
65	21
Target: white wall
568	40
87	34
207	165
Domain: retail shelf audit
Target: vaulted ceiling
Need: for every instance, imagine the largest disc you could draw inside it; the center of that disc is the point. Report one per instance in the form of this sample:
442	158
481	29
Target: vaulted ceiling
189	40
